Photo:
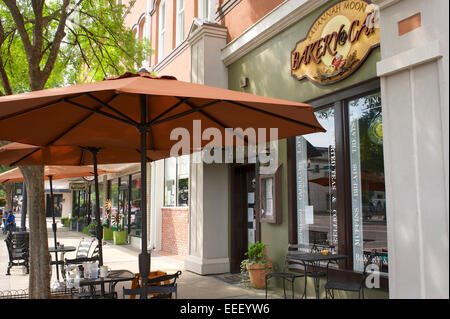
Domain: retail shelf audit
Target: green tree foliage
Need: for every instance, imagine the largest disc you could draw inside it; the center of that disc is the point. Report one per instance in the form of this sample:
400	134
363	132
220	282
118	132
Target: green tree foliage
93	43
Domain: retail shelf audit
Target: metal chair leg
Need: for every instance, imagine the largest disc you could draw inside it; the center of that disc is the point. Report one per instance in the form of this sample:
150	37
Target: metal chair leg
293	291
266	285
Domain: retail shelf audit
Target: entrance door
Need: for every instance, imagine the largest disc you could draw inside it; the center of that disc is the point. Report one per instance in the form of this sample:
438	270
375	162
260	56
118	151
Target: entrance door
244	220
57	205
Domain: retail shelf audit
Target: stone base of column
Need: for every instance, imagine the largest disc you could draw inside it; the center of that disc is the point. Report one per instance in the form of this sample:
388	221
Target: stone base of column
204	266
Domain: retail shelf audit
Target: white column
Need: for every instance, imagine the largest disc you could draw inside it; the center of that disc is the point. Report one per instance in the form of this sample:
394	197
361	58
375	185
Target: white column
208	183
156	202
414	90
208	219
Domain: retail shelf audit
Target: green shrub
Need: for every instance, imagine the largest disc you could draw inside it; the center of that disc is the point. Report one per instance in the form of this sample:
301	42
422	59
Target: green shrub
86	230
65	221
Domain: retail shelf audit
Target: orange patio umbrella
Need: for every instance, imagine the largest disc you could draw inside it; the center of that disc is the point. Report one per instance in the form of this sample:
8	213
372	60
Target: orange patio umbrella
51	173
140	111
18	154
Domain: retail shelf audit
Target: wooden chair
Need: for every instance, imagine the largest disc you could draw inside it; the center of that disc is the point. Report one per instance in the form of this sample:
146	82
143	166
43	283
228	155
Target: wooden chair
161	291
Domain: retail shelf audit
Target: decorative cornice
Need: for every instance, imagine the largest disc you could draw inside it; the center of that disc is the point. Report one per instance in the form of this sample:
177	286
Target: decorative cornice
385	3
279	19
201	28
408	59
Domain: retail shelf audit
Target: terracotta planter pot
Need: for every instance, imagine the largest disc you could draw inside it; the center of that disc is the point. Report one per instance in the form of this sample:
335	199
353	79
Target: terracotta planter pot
257	273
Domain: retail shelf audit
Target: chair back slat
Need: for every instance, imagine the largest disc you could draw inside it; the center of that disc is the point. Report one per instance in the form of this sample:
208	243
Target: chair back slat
83	247
142	291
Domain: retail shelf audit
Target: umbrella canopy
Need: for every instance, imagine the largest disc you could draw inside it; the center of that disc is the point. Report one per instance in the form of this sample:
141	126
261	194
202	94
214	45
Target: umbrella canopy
57	172
108	114
140	111
17	154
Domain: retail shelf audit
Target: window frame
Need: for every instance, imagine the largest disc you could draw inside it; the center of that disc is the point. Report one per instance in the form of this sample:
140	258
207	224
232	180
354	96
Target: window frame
176	183
203	9
339	100
161	31
179	22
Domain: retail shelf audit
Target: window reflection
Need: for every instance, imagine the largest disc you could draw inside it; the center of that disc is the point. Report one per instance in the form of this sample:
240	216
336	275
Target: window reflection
316	184
367	180
135	211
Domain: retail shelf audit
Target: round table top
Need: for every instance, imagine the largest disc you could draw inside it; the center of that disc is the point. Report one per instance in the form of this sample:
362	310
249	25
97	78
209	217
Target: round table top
63	249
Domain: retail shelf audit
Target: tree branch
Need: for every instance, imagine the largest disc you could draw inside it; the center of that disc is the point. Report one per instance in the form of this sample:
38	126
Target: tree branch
18	19
59	35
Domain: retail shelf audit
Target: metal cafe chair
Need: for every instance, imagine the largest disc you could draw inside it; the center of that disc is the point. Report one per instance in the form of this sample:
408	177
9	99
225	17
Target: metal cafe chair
18	250
292	265
333	285
82	254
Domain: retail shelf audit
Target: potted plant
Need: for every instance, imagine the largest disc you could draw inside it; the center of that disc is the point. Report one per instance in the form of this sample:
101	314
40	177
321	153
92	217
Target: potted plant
256	265
73	223
81	223
89	229
107	231
119	234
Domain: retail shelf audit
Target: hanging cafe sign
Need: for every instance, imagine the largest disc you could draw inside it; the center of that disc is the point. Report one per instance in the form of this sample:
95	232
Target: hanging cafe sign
337	43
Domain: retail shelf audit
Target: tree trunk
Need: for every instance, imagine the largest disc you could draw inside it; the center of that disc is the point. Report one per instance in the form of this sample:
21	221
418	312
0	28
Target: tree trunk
39	280
9	188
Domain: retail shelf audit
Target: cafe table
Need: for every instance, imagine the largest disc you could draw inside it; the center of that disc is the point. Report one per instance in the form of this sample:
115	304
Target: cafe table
113	278
60	249
313	265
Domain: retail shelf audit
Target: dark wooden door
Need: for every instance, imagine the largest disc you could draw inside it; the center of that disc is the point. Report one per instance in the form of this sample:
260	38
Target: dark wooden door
243	181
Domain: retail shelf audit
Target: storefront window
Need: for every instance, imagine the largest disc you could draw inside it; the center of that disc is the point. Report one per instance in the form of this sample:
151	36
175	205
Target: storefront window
367	180
183	180
114	196
136	216
316	184
170	174
176	181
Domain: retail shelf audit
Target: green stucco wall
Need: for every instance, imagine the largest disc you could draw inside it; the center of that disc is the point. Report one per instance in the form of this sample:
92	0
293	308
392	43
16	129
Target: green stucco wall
268	71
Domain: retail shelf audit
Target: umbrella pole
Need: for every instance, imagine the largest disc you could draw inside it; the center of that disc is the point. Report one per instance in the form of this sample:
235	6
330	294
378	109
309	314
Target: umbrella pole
52	210
99	231
144	257
130	181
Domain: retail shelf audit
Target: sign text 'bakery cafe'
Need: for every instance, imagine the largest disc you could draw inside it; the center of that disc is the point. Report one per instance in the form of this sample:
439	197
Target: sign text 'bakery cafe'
337	43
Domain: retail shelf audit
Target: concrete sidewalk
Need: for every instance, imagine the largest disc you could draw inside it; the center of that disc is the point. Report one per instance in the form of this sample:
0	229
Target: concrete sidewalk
190	285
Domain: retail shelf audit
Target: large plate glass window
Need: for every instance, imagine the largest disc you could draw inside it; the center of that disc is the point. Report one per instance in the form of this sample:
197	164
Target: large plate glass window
170	175
135	210
368	192
183	180
176	181
316	184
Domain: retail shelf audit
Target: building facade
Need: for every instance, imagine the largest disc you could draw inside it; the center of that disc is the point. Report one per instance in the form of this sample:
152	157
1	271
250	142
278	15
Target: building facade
376	74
